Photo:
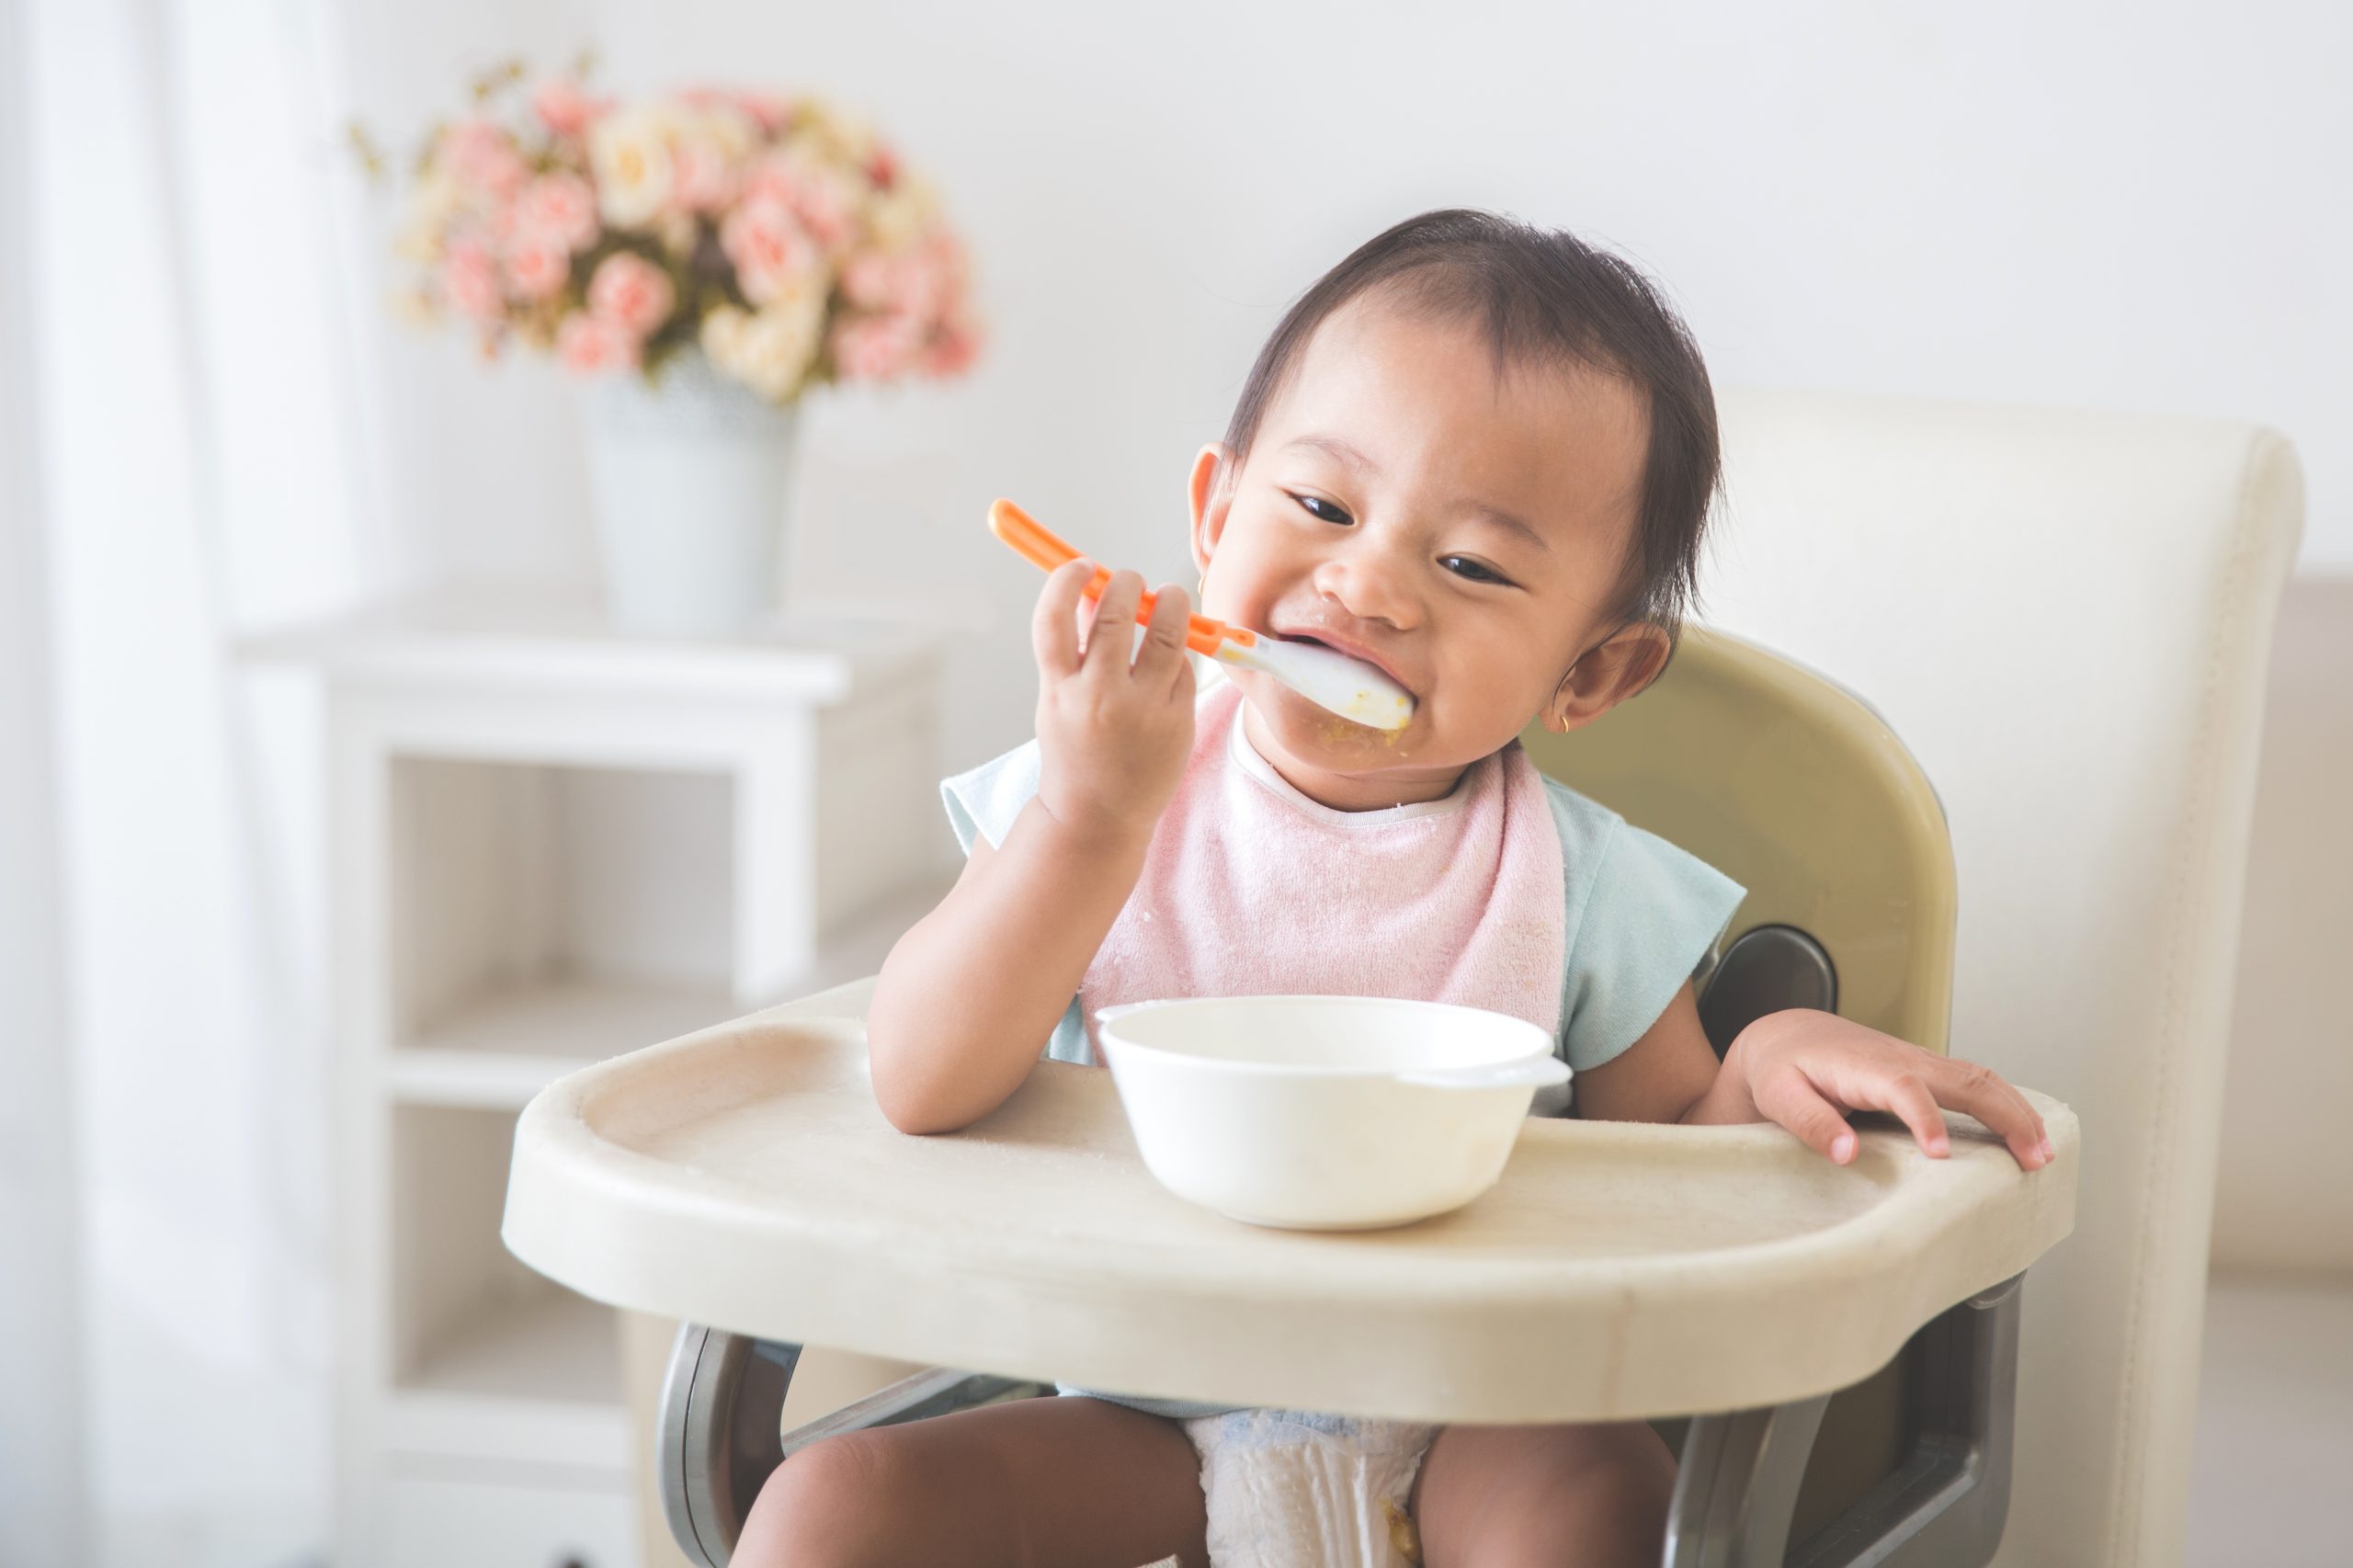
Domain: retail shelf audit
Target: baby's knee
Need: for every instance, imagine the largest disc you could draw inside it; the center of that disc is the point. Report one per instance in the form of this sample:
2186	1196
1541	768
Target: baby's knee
1616	1511
826	1506
1596	1496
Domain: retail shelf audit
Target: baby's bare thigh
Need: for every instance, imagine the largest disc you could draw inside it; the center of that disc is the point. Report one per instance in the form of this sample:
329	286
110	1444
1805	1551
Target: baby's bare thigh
1059	1482
1583	1496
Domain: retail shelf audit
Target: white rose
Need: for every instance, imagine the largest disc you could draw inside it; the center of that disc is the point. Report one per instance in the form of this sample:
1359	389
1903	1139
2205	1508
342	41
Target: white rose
709	149
735	133
769	349
896	216
431	204
630	151
826	130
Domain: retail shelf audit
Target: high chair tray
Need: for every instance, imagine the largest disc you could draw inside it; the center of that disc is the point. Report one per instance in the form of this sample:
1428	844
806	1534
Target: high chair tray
743	1177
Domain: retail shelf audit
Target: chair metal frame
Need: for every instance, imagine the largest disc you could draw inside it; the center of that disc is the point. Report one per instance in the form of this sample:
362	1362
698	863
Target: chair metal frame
1735	1487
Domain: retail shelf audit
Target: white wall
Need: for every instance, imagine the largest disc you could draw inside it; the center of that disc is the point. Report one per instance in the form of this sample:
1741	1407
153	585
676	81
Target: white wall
2134	207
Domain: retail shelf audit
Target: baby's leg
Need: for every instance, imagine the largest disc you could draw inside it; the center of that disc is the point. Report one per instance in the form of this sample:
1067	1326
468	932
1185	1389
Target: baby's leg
1057	1482
1570	1496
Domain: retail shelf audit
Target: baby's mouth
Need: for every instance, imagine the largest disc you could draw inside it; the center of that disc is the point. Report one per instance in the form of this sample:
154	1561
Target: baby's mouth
1362	655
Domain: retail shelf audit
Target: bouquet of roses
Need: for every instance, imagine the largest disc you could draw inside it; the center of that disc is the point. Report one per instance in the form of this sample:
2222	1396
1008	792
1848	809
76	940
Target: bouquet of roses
782	238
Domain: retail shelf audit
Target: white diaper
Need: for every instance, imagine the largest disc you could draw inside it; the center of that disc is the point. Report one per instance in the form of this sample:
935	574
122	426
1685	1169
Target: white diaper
1294	1489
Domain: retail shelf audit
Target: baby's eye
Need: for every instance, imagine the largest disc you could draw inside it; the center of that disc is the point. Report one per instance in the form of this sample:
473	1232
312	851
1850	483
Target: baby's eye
1329	512
1476	572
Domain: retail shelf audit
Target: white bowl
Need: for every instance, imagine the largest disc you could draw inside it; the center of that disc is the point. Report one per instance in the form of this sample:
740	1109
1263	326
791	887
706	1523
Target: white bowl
1338	1113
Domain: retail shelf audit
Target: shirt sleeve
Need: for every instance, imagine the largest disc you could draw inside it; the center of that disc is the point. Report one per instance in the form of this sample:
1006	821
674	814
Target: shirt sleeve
1650	917
984	804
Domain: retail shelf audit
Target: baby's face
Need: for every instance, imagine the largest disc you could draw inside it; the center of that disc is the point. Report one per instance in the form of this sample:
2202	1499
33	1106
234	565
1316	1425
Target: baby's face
1404	505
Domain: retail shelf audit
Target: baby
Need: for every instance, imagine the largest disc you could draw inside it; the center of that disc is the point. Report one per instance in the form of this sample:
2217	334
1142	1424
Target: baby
1478	455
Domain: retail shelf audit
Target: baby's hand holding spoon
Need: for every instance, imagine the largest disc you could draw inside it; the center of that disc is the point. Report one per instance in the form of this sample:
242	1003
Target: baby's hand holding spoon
1113	732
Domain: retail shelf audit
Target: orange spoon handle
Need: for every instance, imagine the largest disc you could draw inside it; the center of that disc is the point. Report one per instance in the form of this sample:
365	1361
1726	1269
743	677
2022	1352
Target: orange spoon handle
1048	549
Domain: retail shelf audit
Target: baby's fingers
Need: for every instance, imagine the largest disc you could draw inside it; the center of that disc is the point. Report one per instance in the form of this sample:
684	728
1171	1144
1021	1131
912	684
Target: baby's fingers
1907	1096
1162	653
1111	636
1054	628
1987	1096
1791	1098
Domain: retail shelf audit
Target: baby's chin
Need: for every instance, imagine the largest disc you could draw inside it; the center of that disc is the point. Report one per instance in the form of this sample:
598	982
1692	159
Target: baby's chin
1321	738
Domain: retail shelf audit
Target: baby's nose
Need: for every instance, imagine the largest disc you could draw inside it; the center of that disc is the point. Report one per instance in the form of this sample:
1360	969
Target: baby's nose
1368	584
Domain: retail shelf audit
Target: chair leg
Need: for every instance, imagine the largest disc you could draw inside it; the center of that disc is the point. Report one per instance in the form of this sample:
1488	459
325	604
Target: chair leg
1738	1484
1947	1502
1945	1505
723	1407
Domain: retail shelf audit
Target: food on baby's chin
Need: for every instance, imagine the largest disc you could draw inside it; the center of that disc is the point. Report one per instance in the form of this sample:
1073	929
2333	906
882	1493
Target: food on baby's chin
1336	733
1347	732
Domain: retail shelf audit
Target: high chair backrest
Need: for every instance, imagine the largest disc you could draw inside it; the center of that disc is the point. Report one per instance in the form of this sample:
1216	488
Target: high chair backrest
1790	784
2068	617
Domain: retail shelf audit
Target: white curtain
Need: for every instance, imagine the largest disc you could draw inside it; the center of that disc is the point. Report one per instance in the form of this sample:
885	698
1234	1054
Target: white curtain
42	1512
197	414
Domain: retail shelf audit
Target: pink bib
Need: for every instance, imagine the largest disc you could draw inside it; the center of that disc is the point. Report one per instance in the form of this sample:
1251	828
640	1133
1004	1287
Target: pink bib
1250	889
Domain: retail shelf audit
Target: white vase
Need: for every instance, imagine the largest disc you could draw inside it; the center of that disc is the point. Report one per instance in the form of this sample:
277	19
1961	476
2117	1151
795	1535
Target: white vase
690	479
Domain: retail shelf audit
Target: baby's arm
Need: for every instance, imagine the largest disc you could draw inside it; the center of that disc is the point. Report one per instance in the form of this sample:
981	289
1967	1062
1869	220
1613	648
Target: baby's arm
970	994
1804	1069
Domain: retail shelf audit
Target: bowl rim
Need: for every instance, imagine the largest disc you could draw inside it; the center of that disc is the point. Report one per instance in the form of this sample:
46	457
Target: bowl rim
1106	1020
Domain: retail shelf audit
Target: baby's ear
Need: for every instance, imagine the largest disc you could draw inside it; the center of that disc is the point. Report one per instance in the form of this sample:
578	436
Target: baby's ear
1606	675
1211	492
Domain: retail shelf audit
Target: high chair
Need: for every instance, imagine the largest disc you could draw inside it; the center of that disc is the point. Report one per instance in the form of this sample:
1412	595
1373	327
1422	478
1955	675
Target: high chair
2067	616
1774	774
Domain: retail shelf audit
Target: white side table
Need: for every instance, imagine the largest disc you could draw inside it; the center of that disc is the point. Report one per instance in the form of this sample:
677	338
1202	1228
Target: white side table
550	842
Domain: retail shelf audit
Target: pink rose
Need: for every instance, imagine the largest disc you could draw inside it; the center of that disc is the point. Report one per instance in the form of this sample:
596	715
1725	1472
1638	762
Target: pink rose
770	111
588	346
925	283
821	201
630	293
828	209
770	249
563	109
875	348
952	351
537	266
470	280
883	166
870	281
704	180
480	155
560	208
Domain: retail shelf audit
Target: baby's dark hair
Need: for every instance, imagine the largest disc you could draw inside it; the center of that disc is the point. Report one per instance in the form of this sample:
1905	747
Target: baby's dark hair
1543	296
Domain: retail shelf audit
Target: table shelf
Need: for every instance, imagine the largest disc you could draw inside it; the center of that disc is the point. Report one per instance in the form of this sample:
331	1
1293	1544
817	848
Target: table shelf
507	1045
534	1380
555	842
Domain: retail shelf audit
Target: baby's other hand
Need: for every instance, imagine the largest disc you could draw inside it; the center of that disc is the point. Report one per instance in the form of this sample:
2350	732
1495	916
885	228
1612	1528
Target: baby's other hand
1805	1069
1114	735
